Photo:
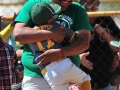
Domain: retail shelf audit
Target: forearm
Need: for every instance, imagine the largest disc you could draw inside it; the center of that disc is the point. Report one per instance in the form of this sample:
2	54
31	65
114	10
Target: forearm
80	44
5	33
109	38
29	35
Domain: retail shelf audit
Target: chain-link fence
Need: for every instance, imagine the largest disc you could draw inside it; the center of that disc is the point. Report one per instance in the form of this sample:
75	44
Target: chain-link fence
106	13
8	7
106	64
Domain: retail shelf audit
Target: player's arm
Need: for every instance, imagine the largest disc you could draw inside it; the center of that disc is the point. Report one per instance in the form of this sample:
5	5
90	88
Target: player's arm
69	35
23	31
80	44
82	36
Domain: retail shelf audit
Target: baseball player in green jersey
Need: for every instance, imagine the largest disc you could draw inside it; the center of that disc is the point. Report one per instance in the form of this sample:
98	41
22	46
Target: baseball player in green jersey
73	16
55	72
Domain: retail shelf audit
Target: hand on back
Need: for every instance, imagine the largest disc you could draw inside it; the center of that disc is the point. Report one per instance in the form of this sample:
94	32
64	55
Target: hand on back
58	34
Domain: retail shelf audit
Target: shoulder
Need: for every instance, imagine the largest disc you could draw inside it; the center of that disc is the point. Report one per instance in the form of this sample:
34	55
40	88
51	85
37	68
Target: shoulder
77	5
76	8
36	1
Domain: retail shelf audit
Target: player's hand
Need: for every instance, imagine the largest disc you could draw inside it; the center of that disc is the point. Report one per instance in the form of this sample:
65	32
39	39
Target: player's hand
2	18
58	34
49	56
86	63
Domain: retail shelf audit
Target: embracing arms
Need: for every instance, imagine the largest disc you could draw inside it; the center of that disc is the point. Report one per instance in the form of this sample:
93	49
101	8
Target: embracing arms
25	34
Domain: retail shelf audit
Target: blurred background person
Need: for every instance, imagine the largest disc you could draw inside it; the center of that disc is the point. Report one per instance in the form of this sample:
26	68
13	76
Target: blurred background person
8	66
7	34
115	80
101	52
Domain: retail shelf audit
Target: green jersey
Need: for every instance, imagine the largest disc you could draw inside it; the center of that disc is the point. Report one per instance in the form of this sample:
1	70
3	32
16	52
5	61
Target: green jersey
74	17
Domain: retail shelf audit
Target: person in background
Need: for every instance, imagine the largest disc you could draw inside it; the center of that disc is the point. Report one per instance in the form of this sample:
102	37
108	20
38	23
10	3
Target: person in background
99	53
7	34
115	80
116	43
116	63
73	16
8	30
8	66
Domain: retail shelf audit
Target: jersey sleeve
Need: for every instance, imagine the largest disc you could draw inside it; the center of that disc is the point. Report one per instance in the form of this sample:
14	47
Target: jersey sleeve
70	35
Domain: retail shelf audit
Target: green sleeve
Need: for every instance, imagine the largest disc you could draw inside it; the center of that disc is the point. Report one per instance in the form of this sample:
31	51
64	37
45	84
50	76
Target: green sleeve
81	21
24	14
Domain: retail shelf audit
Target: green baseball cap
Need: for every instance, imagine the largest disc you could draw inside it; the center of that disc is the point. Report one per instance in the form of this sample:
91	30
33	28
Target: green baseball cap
115	43
42	12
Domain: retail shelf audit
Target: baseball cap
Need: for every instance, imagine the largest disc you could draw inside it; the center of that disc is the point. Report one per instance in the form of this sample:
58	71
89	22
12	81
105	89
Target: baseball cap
115	43
42	12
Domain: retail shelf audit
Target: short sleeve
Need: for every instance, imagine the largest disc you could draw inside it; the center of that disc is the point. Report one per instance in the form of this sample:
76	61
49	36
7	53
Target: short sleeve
81	21
70	35
24	14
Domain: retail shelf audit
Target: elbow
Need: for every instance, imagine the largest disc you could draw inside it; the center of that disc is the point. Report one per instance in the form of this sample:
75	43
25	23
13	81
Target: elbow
84	39
16	34
18	31
86	44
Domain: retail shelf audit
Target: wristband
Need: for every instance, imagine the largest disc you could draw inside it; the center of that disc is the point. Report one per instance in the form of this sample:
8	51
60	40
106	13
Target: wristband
61	52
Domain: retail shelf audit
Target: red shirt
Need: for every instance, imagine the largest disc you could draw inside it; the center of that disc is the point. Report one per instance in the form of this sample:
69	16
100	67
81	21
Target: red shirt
8	66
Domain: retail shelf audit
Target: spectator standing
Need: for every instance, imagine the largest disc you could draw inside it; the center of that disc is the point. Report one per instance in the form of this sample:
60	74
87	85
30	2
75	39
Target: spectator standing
8	66
115	80
7	34
100	54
